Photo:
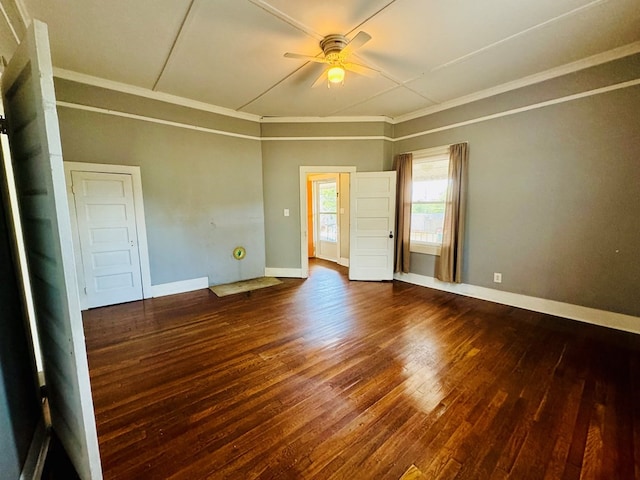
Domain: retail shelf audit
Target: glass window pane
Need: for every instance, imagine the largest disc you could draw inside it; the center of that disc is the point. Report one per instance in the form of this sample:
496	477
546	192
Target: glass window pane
429	192
328	227
431	170
327	197
426	222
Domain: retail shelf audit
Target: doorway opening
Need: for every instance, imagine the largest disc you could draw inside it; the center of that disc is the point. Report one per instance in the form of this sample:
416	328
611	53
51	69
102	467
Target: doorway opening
324	214
324	211
109	233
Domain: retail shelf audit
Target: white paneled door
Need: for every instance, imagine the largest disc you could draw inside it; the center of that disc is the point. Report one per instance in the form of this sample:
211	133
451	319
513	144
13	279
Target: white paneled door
106	222
30	106
373	205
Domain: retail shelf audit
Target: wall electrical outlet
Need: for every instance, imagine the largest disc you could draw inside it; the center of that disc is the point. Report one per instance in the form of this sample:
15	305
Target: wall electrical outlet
497	277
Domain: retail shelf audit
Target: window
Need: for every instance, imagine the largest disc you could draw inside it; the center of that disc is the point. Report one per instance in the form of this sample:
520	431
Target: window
429	192
328	211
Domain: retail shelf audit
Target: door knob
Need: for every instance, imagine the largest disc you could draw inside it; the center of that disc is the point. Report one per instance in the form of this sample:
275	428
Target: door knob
390	234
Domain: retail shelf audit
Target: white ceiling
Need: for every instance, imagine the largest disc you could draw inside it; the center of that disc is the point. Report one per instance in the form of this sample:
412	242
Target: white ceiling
229	53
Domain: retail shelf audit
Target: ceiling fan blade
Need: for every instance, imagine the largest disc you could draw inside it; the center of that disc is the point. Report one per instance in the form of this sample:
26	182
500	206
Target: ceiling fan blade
308	58
361	69
322	78
356	42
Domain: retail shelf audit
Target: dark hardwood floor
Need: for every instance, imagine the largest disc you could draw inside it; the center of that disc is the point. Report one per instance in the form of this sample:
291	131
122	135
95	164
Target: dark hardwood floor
326	378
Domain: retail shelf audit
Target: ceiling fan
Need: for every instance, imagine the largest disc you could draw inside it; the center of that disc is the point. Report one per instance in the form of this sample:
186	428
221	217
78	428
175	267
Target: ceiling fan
336	49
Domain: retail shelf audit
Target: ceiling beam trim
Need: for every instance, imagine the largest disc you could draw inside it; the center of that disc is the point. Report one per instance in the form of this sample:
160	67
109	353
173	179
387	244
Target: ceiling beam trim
23	12
582	64
370	17
594	60
146	93
9	24
173	45
279	14
518	34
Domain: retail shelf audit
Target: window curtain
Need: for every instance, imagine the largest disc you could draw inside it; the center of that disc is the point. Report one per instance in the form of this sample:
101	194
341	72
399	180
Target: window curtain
449	263
403	165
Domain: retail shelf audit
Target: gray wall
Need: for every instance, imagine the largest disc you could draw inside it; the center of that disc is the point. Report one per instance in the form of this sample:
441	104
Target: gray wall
281	162
202	191
554	199
554	194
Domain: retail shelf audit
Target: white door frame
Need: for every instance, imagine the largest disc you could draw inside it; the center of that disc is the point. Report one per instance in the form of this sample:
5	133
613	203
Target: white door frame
141	228
304	226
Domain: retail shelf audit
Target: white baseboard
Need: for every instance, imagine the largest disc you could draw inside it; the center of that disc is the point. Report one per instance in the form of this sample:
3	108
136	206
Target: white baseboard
343	261
183	286
604	318
283	272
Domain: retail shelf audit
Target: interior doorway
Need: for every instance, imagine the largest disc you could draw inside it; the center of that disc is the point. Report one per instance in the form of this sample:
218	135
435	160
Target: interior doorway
324	223
325	232
109	234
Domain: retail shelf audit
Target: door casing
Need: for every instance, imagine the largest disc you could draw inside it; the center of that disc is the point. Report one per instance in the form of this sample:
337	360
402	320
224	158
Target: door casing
304	225
141	229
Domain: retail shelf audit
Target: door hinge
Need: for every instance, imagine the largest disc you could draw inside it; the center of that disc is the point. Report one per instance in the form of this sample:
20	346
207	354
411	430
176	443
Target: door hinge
3	125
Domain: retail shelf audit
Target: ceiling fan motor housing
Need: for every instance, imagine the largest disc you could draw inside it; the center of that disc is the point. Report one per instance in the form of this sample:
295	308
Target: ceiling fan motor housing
333	44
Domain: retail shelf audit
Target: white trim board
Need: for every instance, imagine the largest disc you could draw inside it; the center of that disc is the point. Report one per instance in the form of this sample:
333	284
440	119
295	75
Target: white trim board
328	138
519	33
330	119
594	60
283	272
534	106
182	286
146	93
161	121
343	261
618	321
189	126
9	24
526	108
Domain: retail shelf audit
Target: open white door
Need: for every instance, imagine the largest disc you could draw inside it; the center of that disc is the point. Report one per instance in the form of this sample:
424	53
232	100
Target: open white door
34	138
373	208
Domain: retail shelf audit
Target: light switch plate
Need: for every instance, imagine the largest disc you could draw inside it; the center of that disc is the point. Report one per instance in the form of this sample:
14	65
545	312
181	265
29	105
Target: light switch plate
286	212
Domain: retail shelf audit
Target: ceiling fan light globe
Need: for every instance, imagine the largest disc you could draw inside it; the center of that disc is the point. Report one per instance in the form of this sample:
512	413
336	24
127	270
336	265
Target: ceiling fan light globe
335	75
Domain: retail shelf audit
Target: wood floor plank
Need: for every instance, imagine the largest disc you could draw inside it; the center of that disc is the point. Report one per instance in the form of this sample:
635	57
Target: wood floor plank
327	378
412	473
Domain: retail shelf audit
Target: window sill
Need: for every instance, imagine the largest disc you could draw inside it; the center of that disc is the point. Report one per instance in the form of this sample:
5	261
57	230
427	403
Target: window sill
428	248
